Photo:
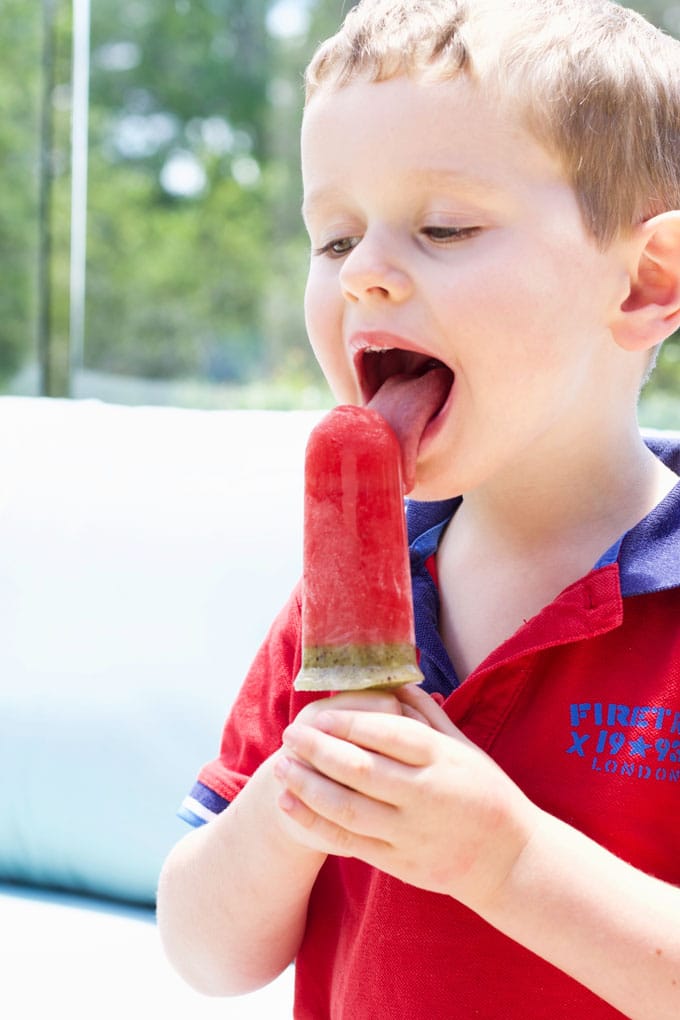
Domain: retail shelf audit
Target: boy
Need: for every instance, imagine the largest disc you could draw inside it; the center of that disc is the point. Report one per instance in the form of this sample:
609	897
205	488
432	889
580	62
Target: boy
490	191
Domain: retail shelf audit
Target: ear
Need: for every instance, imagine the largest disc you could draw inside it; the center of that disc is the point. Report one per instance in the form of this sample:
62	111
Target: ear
651	310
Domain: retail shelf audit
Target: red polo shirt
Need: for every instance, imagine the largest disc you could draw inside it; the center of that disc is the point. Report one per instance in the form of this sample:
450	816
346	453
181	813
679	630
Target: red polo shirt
581	707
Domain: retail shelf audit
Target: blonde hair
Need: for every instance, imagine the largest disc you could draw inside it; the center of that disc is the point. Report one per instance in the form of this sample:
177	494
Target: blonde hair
594	82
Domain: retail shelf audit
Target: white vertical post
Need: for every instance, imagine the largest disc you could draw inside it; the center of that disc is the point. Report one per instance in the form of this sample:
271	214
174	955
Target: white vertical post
80	99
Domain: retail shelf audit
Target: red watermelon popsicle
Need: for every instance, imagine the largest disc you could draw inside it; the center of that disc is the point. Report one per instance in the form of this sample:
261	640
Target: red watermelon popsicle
357	610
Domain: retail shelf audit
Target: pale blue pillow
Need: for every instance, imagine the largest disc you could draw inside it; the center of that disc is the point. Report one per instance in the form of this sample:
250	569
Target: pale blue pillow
143	554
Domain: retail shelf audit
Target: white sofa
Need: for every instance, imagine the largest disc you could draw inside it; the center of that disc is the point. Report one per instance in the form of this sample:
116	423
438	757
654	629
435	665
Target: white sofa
143	554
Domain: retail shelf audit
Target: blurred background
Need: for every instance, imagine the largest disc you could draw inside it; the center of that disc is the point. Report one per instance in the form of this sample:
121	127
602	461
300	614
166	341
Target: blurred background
151	246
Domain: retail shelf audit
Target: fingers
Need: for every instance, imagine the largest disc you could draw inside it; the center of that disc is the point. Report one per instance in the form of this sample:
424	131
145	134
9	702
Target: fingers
410	701
417	703
340	749
337	817
353	762
395	738
345	774
369	700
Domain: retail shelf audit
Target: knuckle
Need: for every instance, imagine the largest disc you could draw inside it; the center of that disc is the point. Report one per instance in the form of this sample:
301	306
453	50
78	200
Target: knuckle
297	781
364	769
343	840
346	814
309	712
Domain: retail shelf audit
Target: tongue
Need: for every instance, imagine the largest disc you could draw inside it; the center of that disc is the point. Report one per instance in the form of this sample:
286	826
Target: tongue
408	402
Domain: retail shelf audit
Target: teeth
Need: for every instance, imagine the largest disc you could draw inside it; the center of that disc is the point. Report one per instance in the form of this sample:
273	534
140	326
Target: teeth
378	350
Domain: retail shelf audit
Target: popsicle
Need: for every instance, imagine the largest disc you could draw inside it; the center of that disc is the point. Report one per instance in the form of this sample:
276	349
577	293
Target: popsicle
357	610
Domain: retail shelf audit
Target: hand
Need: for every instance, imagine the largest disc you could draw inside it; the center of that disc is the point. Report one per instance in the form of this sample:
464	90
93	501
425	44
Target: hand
405	791
366	700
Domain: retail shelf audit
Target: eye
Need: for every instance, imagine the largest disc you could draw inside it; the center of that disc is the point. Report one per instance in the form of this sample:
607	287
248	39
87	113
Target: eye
338	247
444	235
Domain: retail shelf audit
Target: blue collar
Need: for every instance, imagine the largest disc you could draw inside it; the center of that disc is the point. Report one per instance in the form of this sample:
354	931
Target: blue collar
649	554
648	557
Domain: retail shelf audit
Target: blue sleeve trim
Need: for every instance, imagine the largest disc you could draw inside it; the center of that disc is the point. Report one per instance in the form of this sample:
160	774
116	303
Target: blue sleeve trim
201	805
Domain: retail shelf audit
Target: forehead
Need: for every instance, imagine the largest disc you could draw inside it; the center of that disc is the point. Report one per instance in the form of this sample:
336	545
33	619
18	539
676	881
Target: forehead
434	134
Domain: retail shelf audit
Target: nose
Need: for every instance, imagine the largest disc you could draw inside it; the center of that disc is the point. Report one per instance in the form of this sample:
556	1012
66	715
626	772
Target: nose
372	271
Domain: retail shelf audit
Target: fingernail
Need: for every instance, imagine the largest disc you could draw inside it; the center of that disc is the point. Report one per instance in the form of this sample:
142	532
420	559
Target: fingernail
289	736
325	721
286	801
282	767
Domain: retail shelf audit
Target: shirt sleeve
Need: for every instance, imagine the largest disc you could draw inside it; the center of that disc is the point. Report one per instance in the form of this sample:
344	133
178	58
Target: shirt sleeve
263	708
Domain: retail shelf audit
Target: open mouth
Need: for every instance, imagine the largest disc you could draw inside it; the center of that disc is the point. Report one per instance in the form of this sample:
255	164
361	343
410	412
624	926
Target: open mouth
378	365
409	390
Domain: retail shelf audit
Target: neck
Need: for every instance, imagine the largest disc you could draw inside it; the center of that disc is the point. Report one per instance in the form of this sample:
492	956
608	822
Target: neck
588	498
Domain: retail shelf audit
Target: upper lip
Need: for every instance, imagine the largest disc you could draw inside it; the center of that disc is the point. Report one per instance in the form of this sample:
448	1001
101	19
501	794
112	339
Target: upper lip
409	357
382	340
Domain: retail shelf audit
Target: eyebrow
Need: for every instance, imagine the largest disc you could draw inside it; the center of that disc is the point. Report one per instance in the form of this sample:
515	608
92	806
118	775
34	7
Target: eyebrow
434	175
431	176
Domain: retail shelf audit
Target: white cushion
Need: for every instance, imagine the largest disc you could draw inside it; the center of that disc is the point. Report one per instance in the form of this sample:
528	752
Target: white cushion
143	554
61	958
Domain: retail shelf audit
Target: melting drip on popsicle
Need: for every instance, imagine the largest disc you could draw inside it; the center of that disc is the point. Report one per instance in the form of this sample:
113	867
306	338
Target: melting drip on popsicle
357	610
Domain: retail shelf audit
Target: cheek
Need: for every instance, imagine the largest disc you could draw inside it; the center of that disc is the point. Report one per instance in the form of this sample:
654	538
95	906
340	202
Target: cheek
324	322
319	313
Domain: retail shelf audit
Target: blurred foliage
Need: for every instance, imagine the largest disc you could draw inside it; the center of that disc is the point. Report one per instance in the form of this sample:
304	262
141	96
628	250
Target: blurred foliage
20	82
196	253
196	257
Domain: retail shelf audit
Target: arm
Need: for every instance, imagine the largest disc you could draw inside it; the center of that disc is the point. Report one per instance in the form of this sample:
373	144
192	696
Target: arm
391	791
232	895
608	925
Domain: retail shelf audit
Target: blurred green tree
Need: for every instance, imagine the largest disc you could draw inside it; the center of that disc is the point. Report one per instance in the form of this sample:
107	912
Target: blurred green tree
20	99
196	251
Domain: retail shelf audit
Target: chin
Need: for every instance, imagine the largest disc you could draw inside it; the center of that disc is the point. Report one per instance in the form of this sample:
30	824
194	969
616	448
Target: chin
428	491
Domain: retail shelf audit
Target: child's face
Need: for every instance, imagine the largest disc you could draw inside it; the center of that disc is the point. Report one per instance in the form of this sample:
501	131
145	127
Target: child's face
442	228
